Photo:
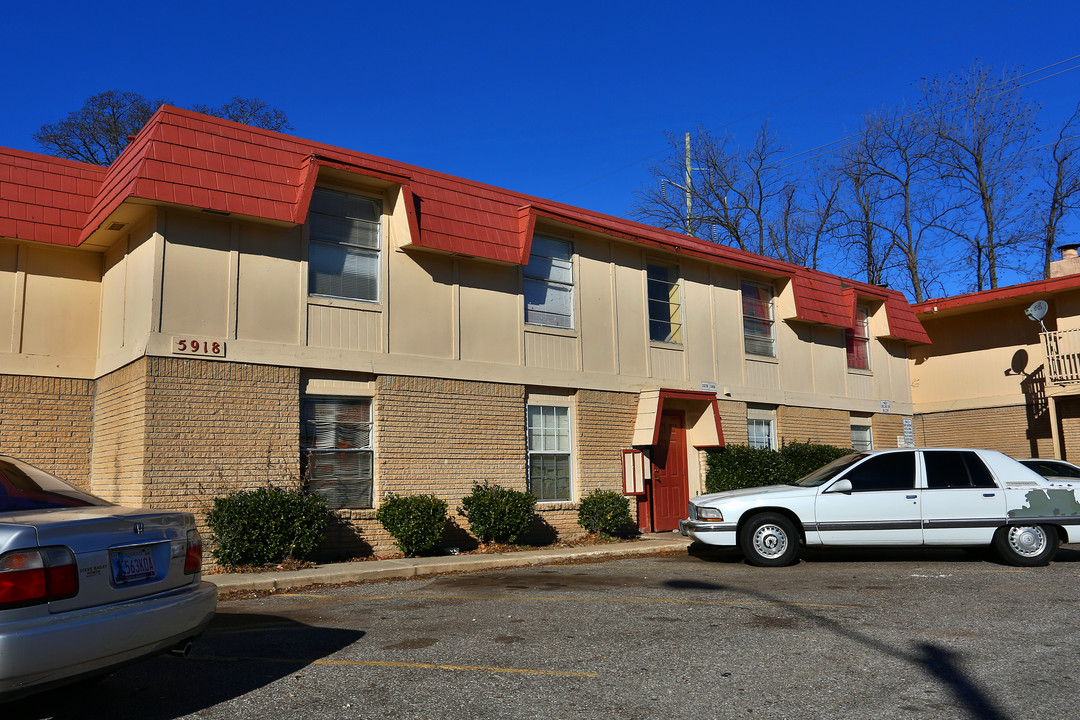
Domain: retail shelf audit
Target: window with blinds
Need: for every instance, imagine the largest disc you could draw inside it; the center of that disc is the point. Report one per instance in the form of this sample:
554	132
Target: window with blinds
858	340
336	450
757	310
665	303
344	244
549	283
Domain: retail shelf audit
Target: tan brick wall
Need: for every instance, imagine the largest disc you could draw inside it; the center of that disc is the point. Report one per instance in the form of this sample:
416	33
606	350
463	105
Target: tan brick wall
733	421
119	453
1068	411
886	428
817	425
47	422
173	433
1002	428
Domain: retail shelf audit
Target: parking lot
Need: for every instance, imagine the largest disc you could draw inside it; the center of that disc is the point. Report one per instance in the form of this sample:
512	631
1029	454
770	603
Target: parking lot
882	634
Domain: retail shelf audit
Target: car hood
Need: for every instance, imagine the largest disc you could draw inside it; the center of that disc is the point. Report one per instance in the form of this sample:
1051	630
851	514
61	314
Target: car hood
747	493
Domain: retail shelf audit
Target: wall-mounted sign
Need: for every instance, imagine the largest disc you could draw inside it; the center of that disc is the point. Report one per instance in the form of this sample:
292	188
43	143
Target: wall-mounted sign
886	406
708	387
198	346
909	432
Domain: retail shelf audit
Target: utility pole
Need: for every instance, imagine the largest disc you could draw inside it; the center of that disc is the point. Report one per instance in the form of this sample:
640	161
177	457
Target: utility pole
687	186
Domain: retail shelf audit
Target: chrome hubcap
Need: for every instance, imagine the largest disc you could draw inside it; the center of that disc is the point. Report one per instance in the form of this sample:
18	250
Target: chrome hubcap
1027	541
770	541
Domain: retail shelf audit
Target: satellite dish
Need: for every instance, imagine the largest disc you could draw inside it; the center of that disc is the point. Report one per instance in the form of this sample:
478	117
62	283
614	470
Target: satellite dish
1037	312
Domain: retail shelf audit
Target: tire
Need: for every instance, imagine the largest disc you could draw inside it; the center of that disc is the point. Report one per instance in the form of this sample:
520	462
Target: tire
1026	545
769	540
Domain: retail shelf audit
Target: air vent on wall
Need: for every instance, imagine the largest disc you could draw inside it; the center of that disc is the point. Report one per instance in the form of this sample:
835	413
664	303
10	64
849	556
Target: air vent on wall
116	226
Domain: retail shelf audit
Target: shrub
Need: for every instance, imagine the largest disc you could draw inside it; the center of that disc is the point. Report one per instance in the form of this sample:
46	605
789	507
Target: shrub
267	525
498	514
741	466
605	511
804	458
415	521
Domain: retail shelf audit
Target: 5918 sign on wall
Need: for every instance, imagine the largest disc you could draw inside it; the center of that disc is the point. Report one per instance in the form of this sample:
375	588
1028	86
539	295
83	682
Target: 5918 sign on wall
198	346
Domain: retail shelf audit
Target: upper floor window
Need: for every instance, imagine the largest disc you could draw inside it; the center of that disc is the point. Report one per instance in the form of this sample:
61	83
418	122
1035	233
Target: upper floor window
549	283
665	306
858	340
548	435
344	244
757	310
336	449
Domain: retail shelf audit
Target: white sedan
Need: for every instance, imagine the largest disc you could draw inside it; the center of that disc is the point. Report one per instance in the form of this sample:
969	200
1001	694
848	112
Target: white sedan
907	497
87	586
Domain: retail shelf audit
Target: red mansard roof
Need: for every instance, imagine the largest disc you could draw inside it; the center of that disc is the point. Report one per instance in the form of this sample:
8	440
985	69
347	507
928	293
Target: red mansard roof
45	199
983	299
189	159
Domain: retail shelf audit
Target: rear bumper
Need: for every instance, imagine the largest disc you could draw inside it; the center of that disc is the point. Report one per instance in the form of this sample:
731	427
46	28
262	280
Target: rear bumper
64	646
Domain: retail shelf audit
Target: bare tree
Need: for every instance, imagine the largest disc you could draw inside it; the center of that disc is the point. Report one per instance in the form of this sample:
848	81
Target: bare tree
98	131
249	111
868	249
985	128
733	191
1061	175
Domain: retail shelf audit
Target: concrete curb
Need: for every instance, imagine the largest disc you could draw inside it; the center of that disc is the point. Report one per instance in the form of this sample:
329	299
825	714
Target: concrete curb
360	571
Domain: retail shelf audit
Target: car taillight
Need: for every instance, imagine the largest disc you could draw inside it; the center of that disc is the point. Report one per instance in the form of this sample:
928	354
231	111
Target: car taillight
40	575
193	558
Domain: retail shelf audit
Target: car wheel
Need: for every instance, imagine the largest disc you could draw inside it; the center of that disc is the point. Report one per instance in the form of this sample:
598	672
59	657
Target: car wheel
769	540
1026	545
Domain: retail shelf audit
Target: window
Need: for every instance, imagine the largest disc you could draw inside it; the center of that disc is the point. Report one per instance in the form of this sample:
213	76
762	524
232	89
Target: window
892	471
336	452
757	310
549	452
759	433
665	308
549	283
858	340
951	469
344	244
862	437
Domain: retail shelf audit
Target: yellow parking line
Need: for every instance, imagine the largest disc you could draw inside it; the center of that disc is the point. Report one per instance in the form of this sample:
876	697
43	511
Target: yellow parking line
388	663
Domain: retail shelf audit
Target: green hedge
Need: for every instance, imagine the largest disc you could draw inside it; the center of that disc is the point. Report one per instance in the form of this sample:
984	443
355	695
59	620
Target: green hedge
267	525
605	511
498	514
741	466
415	521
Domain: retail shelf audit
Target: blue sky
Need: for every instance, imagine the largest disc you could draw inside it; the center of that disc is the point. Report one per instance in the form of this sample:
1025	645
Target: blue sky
563	100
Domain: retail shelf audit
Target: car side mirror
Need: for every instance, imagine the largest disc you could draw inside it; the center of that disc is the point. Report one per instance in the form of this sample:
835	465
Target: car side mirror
840	486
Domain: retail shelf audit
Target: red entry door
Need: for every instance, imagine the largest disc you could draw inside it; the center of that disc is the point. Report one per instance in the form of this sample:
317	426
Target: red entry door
670	492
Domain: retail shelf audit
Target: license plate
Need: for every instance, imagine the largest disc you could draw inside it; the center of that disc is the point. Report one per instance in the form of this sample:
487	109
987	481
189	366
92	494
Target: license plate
132	564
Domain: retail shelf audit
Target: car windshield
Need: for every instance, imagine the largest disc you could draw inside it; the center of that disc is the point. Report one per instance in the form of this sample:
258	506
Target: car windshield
24	487
824	474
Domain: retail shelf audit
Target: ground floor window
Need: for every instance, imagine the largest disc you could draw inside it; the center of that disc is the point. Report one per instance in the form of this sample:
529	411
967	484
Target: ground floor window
862	437
548	435
761	427
336	452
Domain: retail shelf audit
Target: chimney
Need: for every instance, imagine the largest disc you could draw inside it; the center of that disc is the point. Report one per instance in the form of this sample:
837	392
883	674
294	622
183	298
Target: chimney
1069	264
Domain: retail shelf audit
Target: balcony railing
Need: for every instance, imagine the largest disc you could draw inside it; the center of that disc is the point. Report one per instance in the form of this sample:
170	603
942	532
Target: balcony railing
1062	355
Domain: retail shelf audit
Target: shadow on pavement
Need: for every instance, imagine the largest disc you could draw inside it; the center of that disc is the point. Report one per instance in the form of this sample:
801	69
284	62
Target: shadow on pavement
221	667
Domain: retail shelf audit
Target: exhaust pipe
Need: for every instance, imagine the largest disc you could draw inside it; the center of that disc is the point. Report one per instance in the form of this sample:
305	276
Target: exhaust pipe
182	649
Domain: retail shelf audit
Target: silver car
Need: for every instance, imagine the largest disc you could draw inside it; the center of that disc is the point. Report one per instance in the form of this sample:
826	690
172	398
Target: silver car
87	586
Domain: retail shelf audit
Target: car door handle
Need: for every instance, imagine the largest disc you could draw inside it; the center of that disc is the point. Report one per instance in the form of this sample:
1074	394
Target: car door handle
989	494
910	497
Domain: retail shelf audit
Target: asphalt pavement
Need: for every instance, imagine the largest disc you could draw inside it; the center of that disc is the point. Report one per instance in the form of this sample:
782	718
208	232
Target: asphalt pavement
398	568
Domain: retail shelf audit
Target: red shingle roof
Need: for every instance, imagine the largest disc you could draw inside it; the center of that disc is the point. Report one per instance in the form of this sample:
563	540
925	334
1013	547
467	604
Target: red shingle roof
190	159
975	301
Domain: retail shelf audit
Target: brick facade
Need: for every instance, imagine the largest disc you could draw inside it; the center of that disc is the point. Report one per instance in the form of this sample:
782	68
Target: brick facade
47	422
817	425
1013	430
